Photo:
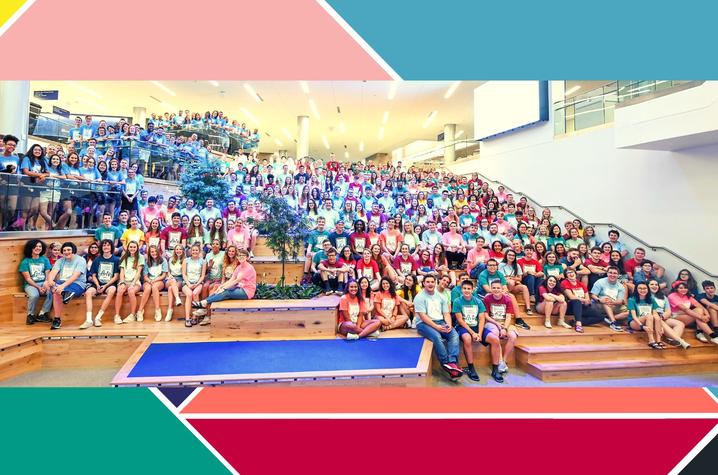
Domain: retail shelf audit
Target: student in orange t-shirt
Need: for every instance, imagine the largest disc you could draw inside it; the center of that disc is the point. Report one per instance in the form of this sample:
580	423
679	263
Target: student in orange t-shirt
353	310
387	305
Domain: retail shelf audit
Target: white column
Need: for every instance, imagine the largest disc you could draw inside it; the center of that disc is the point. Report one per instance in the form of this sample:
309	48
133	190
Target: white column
302	136
14	110
139	115
449	146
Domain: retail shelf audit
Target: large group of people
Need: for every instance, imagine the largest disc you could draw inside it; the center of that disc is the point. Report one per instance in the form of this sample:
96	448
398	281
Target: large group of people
249	138
404	248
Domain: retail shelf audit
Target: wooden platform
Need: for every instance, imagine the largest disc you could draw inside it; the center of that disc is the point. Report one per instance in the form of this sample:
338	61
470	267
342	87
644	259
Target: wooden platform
415	376
275	319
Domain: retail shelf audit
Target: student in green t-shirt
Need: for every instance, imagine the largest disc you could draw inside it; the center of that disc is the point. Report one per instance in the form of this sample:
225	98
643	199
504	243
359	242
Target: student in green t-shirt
35	268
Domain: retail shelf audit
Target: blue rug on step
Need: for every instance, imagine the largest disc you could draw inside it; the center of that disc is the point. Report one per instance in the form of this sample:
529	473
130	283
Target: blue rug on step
246	357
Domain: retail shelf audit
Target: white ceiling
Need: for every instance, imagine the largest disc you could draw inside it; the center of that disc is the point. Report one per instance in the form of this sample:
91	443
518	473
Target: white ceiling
362	104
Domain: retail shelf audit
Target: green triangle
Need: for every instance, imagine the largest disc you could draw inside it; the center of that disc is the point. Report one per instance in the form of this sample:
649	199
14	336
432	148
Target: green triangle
97	430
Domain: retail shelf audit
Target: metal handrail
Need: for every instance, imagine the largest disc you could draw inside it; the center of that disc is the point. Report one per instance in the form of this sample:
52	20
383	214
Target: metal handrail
610	225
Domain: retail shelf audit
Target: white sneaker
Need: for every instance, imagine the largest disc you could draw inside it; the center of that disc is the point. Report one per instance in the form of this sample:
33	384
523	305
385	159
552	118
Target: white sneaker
140	315
205	321
352	336
158	315
503	367
702	337
715	340
547	324
684	344
130	318
98	321
169	315
118	320
564	324
200	312
375	334
178	302
87	324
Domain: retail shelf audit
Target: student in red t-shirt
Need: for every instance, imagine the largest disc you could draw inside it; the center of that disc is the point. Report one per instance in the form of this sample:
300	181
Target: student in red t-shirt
353	318
173	235
500	311
551	301
533	276
579	301
404	264
387	305
367	267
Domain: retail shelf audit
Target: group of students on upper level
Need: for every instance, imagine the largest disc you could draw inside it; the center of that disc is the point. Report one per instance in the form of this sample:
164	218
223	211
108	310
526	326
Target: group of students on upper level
215	119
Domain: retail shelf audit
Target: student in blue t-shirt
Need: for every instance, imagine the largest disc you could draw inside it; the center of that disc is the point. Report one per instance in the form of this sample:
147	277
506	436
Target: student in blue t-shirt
34	269
66	281
103	278
75	133
88	130
709	299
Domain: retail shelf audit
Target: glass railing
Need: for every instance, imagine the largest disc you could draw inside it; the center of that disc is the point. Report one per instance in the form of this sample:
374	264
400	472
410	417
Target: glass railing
50	128
464	148
54	203
667	258
596	107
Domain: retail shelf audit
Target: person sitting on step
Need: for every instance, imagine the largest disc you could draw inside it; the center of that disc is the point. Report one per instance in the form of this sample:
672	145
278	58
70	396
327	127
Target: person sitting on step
500	311
34	269
66	281
354	321
104	275
387	306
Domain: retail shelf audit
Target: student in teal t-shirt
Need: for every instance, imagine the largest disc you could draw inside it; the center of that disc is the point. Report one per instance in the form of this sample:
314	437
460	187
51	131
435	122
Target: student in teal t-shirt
467	311
34	269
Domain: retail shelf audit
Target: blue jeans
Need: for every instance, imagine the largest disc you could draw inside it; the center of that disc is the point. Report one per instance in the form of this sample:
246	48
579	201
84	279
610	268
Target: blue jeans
533	283
234	294
33	296
476	270
446	345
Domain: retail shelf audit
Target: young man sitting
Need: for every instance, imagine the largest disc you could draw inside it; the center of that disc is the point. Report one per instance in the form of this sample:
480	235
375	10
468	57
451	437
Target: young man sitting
435	325
611	295
333	274
470	315
500	310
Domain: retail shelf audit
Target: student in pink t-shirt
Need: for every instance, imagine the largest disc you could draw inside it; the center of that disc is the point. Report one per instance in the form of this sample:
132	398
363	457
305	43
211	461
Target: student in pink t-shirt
476	258
151	212
500	311
689	311
240	235
241	286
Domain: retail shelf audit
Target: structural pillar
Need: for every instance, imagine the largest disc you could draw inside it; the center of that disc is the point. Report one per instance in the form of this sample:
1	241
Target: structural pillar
139	116
15	110
302	136
449	146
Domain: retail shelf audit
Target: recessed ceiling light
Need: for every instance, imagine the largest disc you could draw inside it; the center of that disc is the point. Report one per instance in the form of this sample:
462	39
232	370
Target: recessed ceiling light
164	88
430	118
385	119
342	127
250	90
313	108
305	86
214	83
452	89
380	136
361	146
392	90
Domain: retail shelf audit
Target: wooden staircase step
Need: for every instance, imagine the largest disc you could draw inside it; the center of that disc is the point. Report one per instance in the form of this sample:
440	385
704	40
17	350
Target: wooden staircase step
624	368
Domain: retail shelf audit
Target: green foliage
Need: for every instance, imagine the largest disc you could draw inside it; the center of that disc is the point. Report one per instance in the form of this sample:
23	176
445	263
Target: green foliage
286	292
286	230
200	181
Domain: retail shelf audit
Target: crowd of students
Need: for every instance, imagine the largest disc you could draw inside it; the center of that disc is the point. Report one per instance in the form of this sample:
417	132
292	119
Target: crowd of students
248	137
421	248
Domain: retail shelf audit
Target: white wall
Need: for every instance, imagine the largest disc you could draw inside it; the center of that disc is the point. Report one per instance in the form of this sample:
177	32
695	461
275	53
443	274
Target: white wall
667	199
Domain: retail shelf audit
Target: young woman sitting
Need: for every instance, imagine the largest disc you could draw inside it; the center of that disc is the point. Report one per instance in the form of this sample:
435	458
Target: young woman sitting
387	306
551	301
354	321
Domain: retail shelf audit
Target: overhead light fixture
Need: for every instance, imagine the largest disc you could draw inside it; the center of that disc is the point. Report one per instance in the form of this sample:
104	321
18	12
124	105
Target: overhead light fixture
452	89
246	112
278	142
361	146
430	118
287	134
313	108
84	89
572	90
164	88
385	119
305	86
250	90
342	127
459	134
392	90
346	153
214	83
325	142
380	136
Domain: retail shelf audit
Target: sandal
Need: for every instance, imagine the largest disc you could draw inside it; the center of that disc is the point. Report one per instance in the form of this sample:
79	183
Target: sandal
579	329
661	345
188	322
655	345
